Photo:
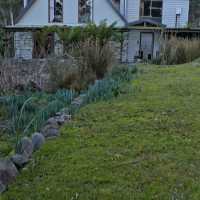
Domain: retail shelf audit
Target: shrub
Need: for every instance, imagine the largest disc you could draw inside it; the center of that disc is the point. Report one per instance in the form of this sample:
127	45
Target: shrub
58	70
86	62
92	56
69	75
179	51
88	51
102	33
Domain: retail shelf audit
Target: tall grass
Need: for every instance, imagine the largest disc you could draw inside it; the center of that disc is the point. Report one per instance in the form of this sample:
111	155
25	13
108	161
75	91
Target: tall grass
179	50
87	61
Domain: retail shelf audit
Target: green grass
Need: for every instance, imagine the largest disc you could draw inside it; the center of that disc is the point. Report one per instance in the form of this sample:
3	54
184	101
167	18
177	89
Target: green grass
142	145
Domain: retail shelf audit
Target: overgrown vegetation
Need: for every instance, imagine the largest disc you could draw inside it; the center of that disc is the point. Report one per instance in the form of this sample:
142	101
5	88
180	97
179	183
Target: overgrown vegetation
179	51
87	62
70	37
27	113
89	53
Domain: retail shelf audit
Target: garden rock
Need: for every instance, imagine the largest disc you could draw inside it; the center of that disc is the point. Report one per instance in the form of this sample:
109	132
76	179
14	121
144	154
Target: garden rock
50	131
59	119
8	173
2	187
52	121
19	160
25	147
37	140
79	101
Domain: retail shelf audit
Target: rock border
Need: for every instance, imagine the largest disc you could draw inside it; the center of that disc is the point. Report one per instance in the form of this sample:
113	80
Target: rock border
10	167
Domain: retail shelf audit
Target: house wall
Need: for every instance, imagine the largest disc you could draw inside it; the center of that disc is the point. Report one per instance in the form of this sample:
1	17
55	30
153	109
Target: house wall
58	45
169	12
23	42
157	43
70	15
124	50
133	10
103	11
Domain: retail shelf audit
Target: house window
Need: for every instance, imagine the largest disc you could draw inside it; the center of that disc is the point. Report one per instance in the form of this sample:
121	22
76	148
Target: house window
178	21
178	17
55	11
85	11
116	4
151	8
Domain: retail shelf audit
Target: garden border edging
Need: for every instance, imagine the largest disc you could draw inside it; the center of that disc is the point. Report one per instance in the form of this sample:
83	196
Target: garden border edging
11	166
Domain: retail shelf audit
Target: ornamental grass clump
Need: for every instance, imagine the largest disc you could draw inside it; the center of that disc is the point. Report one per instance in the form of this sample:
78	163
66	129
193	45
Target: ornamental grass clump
179	51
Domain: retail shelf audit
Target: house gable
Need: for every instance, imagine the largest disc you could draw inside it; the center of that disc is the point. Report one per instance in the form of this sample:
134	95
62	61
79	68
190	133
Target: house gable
105	10
37	13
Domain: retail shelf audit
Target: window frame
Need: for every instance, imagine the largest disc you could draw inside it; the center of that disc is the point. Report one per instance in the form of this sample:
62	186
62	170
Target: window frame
90	18
49	12
151	8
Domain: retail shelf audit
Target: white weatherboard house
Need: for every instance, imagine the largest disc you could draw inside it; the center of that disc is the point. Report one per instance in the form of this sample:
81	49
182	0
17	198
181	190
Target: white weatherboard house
141	21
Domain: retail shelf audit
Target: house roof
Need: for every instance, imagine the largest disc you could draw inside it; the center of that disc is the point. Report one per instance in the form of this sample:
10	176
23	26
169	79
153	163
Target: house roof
146	21
117	11
24	10
31	2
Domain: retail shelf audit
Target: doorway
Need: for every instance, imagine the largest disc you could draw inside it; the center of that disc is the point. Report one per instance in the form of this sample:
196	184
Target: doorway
146	45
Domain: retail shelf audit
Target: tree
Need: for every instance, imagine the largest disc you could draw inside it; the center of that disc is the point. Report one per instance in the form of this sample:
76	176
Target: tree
8	10
195	13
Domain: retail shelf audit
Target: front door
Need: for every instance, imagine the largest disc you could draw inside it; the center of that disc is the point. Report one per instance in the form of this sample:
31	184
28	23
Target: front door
146	45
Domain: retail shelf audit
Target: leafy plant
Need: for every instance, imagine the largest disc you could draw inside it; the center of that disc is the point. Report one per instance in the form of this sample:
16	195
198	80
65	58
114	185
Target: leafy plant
112	85
27	113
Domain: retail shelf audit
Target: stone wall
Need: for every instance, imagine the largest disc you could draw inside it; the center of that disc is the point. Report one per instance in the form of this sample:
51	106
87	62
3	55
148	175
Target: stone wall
16	73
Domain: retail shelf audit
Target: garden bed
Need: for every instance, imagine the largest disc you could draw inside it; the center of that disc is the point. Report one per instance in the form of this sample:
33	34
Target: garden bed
142	145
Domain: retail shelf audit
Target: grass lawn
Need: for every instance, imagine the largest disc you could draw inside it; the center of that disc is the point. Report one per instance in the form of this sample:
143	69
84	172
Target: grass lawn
142	145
